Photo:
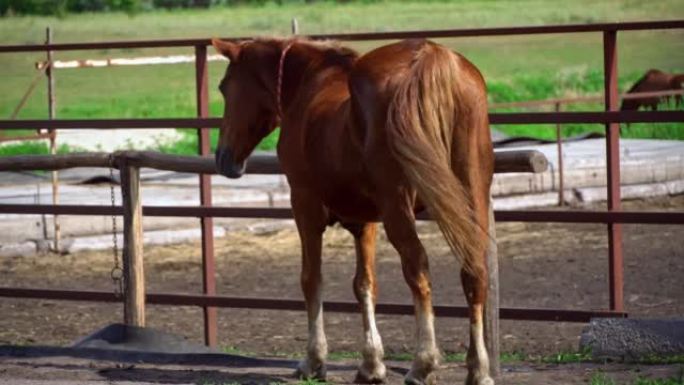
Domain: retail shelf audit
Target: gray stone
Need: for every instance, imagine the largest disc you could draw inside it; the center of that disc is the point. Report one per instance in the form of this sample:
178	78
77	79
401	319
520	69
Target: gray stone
633	339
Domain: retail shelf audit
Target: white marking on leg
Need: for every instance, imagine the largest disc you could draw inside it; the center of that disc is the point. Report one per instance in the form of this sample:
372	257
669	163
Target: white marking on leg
318	346
427	355
479	362
317	349
372	369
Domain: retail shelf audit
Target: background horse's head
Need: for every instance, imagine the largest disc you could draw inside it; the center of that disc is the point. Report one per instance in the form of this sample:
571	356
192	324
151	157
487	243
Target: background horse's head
251	105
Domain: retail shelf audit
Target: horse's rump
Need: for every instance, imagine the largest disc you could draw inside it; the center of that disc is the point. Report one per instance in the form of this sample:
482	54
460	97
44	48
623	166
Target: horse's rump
427	113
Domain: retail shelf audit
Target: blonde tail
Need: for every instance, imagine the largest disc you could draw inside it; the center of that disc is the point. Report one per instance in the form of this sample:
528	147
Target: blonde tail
421	121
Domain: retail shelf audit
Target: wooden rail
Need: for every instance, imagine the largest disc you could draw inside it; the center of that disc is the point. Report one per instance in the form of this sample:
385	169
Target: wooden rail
505	162
494	118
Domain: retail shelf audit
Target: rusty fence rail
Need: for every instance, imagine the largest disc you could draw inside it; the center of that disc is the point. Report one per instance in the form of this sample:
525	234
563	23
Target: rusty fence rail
613	217
366	36
582	99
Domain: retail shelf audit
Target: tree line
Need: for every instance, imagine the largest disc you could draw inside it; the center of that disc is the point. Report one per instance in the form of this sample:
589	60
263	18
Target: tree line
62	7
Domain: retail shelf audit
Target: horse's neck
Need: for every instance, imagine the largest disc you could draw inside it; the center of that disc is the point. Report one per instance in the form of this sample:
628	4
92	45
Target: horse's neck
313	86
318	113
305	74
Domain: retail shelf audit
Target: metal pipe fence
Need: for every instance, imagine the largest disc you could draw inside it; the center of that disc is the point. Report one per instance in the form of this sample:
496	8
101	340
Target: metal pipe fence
613	217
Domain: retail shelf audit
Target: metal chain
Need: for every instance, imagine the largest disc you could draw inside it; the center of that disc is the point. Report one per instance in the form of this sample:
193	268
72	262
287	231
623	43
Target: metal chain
117	271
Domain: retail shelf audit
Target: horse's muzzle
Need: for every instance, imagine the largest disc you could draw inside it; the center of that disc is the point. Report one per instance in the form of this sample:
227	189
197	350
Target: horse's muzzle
225	165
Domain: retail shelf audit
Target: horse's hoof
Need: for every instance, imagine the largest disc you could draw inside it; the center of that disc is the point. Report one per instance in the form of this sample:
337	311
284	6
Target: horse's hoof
430	379
306	371
377	375
486	380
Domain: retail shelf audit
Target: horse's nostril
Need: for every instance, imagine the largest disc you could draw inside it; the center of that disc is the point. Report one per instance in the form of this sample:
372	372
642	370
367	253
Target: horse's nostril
225	165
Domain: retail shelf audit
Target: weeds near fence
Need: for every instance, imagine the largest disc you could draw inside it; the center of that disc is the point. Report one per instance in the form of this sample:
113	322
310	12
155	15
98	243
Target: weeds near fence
600	378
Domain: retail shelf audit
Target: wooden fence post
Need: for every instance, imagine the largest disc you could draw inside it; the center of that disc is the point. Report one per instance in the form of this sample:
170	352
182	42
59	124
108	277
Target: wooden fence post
134	276
559	146
491	321
52	113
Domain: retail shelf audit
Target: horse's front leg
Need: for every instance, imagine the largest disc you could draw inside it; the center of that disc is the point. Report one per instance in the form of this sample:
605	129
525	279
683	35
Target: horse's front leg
400	227
372	370
311	218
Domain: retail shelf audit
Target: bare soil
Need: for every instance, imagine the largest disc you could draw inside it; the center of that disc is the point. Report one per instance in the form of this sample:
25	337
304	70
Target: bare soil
79	371
541	266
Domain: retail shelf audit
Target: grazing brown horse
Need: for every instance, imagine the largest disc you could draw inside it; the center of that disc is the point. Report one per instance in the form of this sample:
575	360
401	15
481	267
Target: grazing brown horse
653	81
366	139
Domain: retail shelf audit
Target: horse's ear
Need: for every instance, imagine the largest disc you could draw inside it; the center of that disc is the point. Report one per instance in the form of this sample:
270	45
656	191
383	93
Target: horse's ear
227	48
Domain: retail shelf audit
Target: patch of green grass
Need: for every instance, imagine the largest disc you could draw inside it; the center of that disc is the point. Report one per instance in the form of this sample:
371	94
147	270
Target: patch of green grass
548	86
311	381
455	357
34	147
188	144
512	357
516	67
558	358
344	355
661	360
568	357
600	378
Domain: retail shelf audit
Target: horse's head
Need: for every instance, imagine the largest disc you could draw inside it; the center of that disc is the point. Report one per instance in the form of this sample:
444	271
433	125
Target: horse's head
249	89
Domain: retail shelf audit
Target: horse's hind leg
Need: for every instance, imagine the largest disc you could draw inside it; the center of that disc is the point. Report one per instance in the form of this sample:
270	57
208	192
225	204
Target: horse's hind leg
311	218
477	359
475	282
400	227
371	370
475	289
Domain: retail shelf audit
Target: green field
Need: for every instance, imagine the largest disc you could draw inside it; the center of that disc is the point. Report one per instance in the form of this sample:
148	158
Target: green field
516	68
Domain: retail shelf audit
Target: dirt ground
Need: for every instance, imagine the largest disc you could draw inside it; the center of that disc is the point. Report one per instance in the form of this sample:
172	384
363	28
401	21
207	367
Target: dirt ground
541	265
79	371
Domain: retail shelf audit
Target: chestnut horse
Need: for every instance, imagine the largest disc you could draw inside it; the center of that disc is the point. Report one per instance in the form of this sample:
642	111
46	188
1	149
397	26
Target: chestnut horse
653	81
363	139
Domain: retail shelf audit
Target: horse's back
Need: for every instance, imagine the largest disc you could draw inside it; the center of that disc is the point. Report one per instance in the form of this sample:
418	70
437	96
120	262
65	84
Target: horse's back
377	77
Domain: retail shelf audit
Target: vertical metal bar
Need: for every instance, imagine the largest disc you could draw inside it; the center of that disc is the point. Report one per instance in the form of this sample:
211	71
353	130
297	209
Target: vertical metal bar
53	145
491	319
207	224
610	59
559	141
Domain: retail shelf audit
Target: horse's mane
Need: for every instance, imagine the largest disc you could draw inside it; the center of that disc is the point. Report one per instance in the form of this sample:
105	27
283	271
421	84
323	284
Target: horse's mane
335	53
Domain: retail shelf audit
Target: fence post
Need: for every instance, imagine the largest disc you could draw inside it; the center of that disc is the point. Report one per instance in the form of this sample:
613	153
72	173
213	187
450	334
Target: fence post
491	321
53	145
610	59
294	26
134	276
559	141
207	223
